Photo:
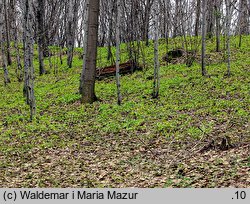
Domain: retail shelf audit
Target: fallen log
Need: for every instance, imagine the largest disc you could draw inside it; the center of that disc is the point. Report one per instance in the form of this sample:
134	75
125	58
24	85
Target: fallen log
125	68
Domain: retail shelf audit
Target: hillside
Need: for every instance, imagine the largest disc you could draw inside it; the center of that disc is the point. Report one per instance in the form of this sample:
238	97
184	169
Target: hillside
195	135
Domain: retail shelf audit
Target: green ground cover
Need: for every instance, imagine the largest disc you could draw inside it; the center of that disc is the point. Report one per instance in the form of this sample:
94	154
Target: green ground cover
174	141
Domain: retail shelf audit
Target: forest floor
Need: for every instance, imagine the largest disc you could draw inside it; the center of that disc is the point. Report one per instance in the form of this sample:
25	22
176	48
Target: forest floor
195	135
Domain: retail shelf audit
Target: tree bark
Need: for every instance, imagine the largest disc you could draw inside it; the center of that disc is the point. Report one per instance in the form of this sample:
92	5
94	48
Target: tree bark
2	44
86	31
70	37
217	21
177	19
7	33
147	21
210	18
156	52
110	29
19	67
203	54
28	58
243	22
87	87
41	34
71	29
118	24
197	20
228	24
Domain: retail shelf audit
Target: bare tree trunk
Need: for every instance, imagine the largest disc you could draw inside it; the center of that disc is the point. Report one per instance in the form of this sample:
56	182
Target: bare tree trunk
70	37
40	12
167	22
3	54
197	20
7	33
156	52
87	87
110	27
177	20
147	21
210	18
19	68
203	54
86	33
228	24
243	20
28	58
118	24
248	7
12	4
217	21
71	29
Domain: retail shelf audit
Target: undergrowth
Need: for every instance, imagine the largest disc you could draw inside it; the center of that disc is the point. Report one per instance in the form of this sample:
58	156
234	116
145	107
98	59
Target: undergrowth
106	145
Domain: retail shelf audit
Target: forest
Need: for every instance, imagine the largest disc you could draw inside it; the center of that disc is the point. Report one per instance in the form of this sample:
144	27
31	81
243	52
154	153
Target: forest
132	93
